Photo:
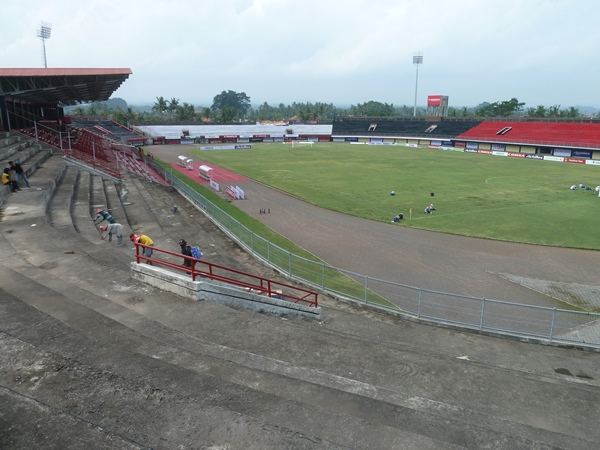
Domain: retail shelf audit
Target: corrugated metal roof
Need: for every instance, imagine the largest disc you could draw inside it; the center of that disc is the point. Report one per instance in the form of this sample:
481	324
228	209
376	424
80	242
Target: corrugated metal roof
63	86
37	72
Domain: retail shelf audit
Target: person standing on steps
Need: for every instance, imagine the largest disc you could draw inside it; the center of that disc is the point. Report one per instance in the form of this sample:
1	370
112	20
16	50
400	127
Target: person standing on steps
144	240
20	173
110	229
186	250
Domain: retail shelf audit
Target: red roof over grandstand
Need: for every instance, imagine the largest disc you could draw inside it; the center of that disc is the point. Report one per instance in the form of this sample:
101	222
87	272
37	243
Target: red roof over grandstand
62	86
567	134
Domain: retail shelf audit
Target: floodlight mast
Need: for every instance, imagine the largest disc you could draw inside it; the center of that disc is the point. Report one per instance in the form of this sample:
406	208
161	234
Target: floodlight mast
44	33
417	59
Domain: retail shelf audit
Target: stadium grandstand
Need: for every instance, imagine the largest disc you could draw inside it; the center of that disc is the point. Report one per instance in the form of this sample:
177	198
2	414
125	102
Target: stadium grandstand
32	105
563	138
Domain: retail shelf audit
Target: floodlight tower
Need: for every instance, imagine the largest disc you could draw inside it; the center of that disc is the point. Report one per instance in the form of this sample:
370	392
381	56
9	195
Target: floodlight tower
417	59
44	33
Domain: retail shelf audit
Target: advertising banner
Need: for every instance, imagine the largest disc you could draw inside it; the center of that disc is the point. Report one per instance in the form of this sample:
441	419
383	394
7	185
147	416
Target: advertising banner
582	153
561	152
434	100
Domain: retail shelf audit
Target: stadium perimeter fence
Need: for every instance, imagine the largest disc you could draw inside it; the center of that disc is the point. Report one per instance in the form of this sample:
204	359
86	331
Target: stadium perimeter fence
543	324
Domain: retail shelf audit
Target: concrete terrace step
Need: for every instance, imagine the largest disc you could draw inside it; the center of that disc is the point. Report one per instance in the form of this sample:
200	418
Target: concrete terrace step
264	387
81	208
152	404
59	207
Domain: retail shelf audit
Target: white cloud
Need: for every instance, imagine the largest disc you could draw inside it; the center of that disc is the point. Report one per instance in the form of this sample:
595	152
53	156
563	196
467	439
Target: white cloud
343	52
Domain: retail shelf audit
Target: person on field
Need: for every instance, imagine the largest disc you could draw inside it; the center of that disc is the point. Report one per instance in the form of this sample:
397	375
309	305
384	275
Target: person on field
144	240
102	215
398	218
110	229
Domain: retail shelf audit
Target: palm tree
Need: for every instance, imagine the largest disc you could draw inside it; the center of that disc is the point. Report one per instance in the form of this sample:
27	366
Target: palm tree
160	106
173	104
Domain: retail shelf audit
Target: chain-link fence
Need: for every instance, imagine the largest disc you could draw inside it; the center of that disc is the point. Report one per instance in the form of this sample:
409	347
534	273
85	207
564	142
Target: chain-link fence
474	313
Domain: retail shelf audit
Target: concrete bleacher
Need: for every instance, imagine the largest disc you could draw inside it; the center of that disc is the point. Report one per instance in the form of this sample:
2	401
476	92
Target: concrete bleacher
109	129
93	359
546	133
406	128
31	155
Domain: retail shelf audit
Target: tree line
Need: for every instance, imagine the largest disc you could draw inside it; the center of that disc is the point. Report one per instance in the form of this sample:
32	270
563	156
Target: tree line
235	107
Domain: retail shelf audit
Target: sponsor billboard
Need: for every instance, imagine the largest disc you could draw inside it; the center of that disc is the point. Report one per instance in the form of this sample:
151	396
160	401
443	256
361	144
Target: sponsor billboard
582	153
434	100
561	152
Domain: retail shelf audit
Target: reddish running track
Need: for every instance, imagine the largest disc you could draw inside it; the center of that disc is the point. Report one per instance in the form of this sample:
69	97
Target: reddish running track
219	174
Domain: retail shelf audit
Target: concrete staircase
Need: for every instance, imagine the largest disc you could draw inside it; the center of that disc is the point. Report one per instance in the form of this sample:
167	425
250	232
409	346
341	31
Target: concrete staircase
91	358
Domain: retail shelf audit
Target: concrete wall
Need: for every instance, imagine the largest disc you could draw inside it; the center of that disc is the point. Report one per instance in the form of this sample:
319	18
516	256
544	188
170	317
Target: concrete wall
225	294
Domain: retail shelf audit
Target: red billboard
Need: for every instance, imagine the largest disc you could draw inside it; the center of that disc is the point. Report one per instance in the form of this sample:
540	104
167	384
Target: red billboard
434	100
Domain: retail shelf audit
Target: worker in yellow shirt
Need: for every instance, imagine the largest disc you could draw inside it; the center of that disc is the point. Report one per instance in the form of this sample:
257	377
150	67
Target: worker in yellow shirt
144	240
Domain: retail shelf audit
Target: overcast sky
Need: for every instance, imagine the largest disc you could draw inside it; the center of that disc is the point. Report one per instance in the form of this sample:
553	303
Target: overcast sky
542	52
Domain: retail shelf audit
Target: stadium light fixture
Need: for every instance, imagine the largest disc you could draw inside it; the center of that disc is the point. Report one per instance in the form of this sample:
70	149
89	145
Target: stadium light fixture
417	59
44	33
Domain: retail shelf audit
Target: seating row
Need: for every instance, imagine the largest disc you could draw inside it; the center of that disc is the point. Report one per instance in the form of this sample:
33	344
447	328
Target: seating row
403	128
30	154
541	132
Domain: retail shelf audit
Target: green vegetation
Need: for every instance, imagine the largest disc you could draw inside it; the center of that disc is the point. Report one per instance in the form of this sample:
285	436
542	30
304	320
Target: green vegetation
235	107
483	196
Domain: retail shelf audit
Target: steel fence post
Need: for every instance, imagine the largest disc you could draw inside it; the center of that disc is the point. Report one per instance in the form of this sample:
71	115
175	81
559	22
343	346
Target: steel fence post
482	314
419	303
552	324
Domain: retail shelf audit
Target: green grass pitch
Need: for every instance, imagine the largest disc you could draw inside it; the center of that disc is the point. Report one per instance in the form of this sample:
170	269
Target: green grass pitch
512	199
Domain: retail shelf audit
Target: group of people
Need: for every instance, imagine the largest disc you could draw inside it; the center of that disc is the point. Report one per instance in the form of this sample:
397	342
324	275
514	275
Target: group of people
112	227
428	210
14	175
584	187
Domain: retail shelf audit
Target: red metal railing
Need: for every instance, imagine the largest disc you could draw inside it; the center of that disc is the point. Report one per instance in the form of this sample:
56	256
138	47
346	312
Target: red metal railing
251	283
